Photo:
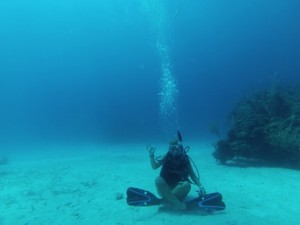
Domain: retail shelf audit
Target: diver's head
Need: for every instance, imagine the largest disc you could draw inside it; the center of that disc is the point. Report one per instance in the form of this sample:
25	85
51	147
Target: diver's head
175	148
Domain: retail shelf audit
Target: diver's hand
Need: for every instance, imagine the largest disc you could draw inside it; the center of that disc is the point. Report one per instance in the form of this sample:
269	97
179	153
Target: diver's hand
150	149
202	191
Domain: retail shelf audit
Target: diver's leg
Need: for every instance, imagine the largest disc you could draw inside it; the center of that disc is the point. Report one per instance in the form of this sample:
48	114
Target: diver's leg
181	190
166	193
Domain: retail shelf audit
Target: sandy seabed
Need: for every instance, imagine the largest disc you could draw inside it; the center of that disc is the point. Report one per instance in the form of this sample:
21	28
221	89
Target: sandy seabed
78	185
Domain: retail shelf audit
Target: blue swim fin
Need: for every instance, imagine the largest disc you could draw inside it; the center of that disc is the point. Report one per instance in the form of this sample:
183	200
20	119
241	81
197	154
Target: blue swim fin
210	202
140	197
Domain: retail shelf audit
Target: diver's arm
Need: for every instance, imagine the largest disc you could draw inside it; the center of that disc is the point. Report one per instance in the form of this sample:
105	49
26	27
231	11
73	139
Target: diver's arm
193	176
196	180
155	163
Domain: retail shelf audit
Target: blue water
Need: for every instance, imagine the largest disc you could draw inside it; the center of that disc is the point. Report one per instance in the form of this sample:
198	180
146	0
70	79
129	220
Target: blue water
78	71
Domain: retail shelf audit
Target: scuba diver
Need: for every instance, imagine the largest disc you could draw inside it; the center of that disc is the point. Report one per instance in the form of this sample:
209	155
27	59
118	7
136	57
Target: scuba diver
173	183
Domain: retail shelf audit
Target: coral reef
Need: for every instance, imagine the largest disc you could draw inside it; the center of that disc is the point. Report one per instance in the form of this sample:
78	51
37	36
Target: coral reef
264	127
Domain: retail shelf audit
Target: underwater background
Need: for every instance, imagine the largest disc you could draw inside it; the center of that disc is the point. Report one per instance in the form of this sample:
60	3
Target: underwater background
74	71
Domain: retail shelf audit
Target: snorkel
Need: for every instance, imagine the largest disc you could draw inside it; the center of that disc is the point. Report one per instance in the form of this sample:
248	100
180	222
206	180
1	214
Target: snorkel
179	136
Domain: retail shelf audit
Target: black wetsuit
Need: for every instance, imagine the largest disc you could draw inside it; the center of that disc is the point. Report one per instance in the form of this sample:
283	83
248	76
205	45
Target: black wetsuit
175	169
